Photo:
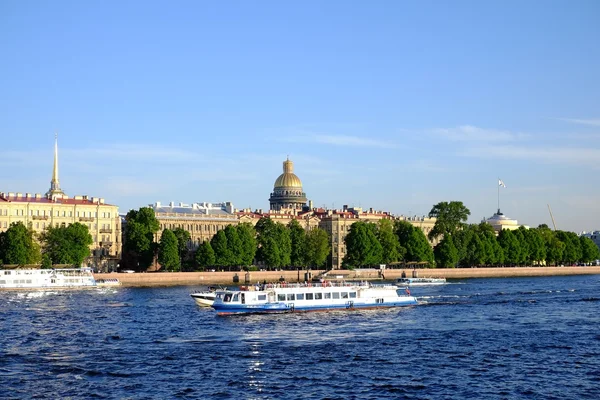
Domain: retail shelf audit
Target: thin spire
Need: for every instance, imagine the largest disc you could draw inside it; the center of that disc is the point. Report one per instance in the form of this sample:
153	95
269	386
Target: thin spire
54	183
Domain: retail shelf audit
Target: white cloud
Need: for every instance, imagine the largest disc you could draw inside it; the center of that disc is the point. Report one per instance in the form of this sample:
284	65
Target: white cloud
590	122
557	155
475	134
337	140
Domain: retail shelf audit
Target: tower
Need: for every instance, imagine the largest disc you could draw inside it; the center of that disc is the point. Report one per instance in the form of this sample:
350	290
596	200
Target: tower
55	190
287	191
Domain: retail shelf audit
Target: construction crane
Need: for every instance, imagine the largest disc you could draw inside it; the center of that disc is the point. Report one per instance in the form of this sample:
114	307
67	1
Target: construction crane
551	216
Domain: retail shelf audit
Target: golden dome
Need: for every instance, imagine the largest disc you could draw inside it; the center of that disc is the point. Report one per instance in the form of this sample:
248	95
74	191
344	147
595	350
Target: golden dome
288	178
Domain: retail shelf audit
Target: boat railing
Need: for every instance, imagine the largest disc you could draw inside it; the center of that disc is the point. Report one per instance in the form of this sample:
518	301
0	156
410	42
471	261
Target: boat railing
324	284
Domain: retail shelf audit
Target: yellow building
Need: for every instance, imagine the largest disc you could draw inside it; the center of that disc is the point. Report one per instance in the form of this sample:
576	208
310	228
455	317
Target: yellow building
201	220
55	208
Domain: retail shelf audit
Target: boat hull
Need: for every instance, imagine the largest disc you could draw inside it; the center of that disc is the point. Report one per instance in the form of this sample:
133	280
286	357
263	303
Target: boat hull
280	309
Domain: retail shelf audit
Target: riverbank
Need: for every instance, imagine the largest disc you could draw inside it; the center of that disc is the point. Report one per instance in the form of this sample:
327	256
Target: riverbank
228	278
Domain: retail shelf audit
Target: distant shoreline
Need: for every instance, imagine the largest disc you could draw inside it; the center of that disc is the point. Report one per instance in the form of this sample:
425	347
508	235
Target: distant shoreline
227	278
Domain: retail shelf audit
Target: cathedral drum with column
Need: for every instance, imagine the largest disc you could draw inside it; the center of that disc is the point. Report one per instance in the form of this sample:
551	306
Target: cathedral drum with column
287	191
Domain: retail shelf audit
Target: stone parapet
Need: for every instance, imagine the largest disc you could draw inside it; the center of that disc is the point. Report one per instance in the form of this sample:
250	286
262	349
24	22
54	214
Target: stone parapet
227	278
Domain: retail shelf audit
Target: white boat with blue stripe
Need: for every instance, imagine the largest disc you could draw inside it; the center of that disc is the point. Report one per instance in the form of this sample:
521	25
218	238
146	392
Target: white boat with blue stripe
303	297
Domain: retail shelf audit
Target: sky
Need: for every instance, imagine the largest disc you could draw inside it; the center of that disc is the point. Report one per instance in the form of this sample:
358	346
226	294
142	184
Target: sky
390	105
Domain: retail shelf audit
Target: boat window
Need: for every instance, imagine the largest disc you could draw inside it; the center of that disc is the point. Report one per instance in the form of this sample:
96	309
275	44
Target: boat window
309	296
262	297
327	295
344	295
227	298
6	272
280	297
318	296
352	295
236	297
290	296
300	296
336	295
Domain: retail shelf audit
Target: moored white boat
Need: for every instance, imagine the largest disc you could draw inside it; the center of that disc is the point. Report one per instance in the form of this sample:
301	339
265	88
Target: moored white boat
207	297
46	278
283	298
421	281
108	282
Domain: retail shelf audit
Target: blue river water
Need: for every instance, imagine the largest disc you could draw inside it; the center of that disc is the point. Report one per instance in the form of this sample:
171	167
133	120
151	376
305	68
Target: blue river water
503	338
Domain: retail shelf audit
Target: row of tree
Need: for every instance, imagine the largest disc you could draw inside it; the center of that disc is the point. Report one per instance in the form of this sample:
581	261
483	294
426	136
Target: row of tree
463	245
20	245
270	243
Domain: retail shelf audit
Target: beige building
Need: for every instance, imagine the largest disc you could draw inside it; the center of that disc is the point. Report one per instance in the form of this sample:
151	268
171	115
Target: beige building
201	220
500	221
55	208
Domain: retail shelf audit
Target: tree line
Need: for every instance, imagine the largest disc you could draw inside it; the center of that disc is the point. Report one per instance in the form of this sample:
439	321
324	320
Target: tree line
275	245
463	245
272	244
20	245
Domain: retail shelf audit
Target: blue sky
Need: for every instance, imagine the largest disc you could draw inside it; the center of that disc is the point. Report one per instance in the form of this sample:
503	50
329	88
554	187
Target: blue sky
394	105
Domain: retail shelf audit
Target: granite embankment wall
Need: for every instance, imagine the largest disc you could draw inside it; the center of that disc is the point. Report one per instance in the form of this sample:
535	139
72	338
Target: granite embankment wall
227	278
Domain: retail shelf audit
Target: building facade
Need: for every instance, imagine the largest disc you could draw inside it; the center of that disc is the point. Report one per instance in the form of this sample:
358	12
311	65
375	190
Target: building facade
201	220
56	208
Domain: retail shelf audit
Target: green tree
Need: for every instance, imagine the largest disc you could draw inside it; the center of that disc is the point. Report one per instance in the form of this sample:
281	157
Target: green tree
589	250
274	243
414	241
316	247
450	217
391	249
298	239
247	235
183	240
234	245
446	254
572	251
525	253
285	245
511	247
537	247
138	238
476	251
362	246
46	262
18	246
168	251
222	253
67	245
205	256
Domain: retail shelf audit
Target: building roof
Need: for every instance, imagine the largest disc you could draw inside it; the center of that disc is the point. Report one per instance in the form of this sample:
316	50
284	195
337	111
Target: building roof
288	179
39	199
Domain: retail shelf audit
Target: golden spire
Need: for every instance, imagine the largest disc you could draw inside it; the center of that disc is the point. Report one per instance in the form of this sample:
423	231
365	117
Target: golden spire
54	183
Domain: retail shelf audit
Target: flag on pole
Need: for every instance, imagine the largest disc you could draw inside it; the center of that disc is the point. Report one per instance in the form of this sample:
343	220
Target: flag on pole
500	183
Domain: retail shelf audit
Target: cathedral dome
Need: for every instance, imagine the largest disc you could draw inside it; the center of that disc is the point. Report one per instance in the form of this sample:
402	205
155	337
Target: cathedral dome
288	179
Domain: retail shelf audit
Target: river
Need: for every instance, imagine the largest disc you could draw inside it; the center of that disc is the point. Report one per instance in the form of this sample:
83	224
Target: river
501	338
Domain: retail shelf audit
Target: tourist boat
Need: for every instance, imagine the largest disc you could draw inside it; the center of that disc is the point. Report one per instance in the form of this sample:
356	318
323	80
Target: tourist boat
46	278
421	281
325	296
